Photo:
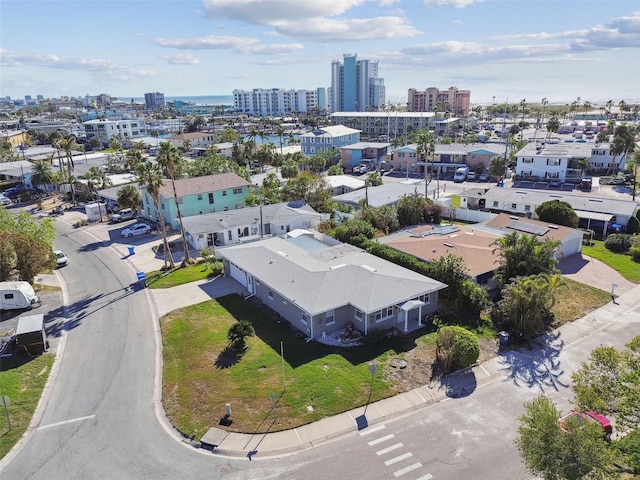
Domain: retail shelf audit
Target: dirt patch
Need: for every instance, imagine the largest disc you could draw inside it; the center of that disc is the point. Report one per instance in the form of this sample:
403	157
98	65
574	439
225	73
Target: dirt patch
417	367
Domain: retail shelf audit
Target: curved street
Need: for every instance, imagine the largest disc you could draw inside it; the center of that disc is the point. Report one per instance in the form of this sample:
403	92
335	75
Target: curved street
101	418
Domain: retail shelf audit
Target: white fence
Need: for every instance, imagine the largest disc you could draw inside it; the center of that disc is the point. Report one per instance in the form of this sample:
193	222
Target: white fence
476	216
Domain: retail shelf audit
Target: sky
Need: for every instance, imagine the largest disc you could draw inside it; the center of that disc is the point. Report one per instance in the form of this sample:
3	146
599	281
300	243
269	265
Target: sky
507	50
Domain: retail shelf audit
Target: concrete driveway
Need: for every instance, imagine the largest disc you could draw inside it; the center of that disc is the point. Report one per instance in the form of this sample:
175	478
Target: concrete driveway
590	271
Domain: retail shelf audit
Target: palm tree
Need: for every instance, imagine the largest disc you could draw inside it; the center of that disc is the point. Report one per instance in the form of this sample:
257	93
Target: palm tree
129	197
552	126
280	131
426	147
41	173
97	179
169	157
582	164
150	177
186	145
239	332
623	143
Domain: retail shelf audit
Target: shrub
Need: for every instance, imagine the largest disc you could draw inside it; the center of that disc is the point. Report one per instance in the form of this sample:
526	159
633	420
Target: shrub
618	243
456	348
633	226
635	254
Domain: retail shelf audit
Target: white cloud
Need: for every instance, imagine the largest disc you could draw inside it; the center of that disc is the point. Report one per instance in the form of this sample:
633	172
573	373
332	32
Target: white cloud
181	59
264	12
330	30
12	58
452	3
272	49
313	20
211	42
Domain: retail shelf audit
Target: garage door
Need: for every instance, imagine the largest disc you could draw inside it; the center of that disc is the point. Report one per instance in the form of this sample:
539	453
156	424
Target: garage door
238	275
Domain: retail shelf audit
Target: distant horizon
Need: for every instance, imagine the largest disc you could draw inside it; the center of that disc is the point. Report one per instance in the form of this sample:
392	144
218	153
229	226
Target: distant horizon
140	99
509	51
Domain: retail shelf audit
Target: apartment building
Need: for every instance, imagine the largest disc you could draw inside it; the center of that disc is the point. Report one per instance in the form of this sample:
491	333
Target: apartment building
434	100
355	85
278	101
154	100
123	130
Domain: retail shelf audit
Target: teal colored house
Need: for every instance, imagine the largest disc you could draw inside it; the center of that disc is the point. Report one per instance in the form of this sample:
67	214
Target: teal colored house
198	196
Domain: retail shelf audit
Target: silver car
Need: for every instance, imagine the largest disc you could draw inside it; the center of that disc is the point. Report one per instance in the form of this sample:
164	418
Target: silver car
136	229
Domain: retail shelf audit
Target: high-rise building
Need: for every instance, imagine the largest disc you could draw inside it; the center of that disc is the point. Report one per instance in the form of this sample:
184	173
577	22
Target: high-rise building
154	100
355	86
277	101
432	100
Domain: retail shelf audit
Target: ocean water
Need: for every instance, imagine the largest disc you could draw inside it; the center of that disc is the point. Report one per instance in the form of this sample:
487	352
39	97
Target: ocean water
196	99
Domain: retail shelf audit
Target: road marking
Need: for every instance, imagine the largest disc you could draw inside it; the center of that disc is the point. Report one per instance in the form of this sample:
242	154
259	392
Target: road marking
408	469
388	449
428	476
399	458
380	440
485	371
373	430
73	420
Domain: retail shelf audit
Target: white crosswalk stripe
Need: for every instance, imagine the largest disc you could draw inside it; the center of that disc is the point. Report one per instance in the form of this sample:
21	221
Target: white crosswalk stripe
399	458
389	449
381	439
408	469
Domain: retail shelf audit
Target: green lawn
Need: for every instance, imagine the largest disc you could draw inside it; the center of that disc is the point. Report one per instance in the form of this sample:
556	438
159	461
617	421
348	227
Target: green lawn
575	300
180	276
201	376
623	264
21	380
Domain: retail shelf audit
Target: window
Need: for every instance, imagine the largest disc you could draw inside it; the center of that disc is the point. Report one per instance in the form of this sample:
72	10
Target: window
199	197
495	203
329	318
358	315
237	190
527	160
553	162
270	295
211	198
425	298
305	318
284	302
381	315
514	206
527	208
224	193
8	296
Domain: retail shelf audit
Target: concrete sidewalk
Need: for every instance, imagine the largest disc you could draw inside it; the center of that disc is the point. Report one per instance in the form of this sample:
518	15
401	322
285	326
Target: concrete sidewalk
626	309
581	268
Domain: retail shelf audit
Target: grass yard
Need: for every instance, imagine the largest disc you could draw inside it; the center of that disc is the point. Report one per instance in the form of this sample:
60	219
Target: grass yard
180	276
575	300
22	383
623	264
201	375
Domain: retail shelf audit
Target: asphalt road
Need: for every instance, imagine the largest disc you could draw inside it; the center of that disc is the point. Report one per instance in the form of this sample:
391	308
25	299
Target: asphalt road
99	417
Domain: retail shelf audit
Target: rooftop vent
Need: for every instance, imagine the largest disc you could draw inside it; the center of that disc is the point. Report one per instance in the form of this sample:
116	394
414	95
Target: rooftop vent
367	267
338	266
513	217
553	226
448	245
282	254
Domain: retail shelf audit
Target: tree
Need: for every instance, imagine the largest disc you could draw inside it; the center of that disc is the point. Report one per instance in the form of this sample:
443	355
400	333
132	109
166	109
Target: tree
129	197
238	333
526	303
312	189
524	255
498	167
353	227
169	156
68	144
410	209
426	148
97	179
433	212
384	219
609	383
623	143
557	212
32	255
41	174
150	177
553	454
553	125
290	168
456	348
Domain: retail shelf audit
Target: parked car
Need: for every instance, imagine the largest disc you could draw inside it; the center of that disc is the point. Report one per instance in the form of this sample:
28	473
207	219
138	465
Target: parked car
471	176
554	184
124	214
5	201
61	258
136	229
582	418
484	177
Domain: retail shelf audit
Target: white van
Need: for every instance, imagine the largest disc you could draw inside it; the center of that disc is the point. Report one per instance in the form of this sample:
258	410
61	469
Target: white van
17	296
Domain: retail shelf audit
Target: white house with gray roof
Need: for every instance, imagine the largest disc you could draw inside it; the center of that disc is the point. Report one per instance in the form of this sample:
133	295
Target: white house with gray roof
248	224
595	213
386	194
320	285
